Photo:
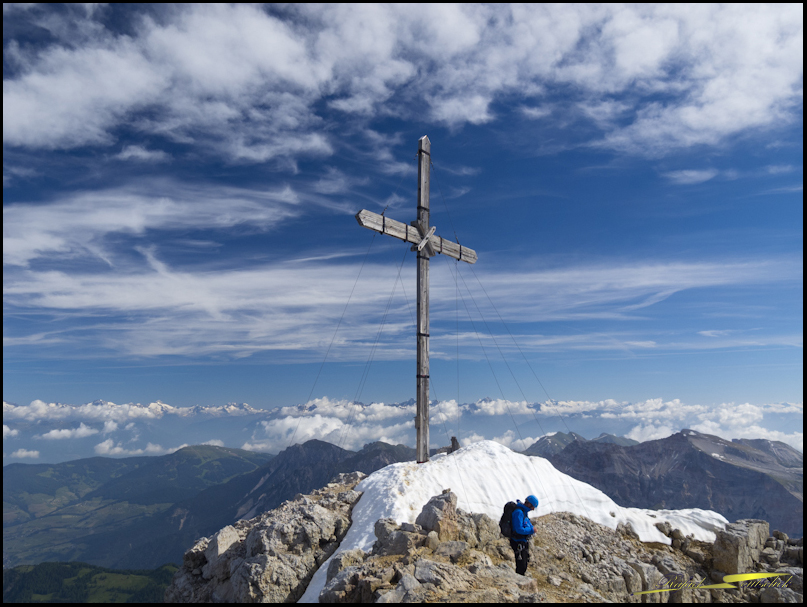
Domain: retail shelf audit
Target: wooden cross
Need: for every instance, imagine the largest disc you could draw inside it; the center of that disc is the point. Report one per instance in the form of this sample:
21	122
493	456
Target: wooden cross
427	244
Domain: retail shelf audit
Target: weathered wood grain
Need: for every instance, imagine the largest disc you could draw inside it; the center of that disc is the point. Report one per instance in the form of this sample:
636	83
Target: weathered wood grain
407	233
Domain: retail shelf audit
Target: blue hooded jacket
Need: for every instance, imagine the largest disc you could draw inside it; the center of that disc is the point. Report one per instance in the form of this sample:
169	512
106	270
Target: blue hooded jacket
522	527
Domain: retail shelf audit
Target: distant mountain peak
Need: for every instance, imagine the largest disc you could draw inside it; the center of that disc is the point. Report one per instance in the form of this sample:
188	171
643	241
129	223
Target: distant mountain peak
742	478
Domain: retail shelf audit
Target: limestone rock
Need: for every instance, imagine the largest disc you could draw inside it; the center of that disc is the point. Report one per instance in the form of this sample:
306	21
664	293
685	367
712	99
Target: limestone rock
449	555
739	545
348	558
452	550
272	557
431	570
664	527
439	515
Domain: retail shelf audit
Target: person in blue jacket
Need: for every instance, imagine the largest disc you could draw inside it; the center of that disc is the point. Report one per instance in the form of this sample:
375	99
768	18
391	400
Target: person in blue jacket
522	531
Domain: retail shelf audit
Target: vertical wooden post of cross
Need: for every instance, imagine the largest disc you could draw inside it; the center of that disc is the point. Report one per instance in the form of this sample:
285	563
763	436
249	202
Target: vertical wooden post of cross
422	224
427	244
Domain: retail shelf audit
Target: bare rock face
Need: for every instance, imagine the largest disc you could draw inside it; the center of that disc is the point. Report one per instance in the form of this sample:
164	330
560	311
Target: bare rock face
270	558
739	545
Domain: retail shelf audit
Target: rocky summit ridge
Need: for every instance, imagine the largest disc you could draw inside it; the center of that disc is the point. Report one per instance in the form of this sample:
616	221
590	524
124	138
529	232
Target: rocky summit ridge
449	555
270	558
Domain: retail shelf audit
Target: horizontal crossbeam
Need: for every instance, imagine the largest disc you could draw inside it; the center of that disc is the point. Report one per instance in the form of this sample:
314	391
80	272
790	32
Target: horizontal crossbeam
407	233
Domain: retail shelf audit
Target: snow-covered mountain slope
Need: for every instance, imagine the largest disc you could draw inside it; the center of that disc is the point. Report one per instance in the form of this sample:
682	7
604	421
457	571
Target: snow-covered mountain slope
485	476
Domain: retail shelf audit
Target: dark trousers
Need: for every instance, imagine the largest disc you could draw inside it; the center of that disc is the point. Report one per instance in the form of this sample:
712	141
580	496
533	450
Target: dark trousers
522	552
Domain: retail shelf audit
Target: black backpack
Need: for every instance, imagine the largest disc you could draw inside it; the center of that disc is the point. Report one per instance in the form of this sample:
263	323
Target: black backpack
506	522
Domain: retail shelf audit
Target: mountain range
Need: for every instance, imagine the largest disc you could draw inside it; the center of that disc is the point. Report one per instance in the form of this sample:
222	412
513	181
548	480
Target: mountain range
551	444
741	478
143	512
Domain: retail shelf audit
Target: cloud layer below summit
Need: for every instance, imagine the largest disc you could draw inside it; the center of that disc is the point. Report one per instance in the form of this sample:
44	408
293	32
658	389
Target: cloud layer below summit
107	429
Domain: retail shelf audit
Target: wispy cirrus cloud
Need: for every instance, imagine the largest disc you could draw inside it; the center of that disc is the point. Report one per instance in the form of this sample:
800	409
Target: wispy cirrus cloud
138	152
290	306
691	176
78	224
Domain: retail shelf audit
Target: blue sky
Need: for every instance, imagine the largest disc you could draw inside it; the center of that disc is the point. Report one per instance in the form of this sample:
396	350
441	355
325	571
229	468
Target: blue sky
180	185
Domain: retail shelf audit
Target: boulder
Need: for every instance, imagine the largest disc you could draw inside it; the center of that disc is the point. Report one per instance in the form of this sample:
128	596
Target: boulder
652	579
442	575
407	587
392	539
739	545
440	515
487	530
452	550
340	561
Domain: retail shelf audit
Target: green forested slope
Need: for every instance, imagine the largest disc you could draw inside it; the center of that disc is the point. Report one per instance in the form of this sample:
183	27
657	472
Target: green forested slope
83	583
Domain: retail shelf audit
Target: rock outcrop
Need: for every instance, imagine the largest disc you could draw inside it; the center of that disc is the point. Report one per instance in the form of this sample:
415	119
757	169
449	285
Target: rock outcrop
270	558
448	555
452	556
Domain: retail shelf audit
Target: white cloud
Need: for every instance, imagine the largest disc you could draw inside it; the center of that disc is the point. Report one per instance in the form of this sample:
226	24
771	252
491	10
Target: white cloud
138	152
571	407
248	82
344	409
647	432
214	442
470	438
535	113
25	453
112	414
691	176
510	440
109	447
278	434
336	182
779	169
12	172
81	432
503	407
714	333
154	309
78	224
99	410
8	432
446	411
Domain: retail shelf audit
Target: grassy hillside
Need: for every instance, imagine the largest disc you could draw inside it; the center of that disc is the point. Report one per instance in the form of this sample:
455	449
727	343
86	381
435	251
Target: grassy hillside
34	490
83	583
69	511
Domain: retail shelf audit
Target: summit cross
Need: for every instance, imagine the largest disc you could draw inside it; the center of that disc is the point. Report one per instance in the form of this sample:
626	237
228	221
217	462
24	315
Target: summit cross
427	244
